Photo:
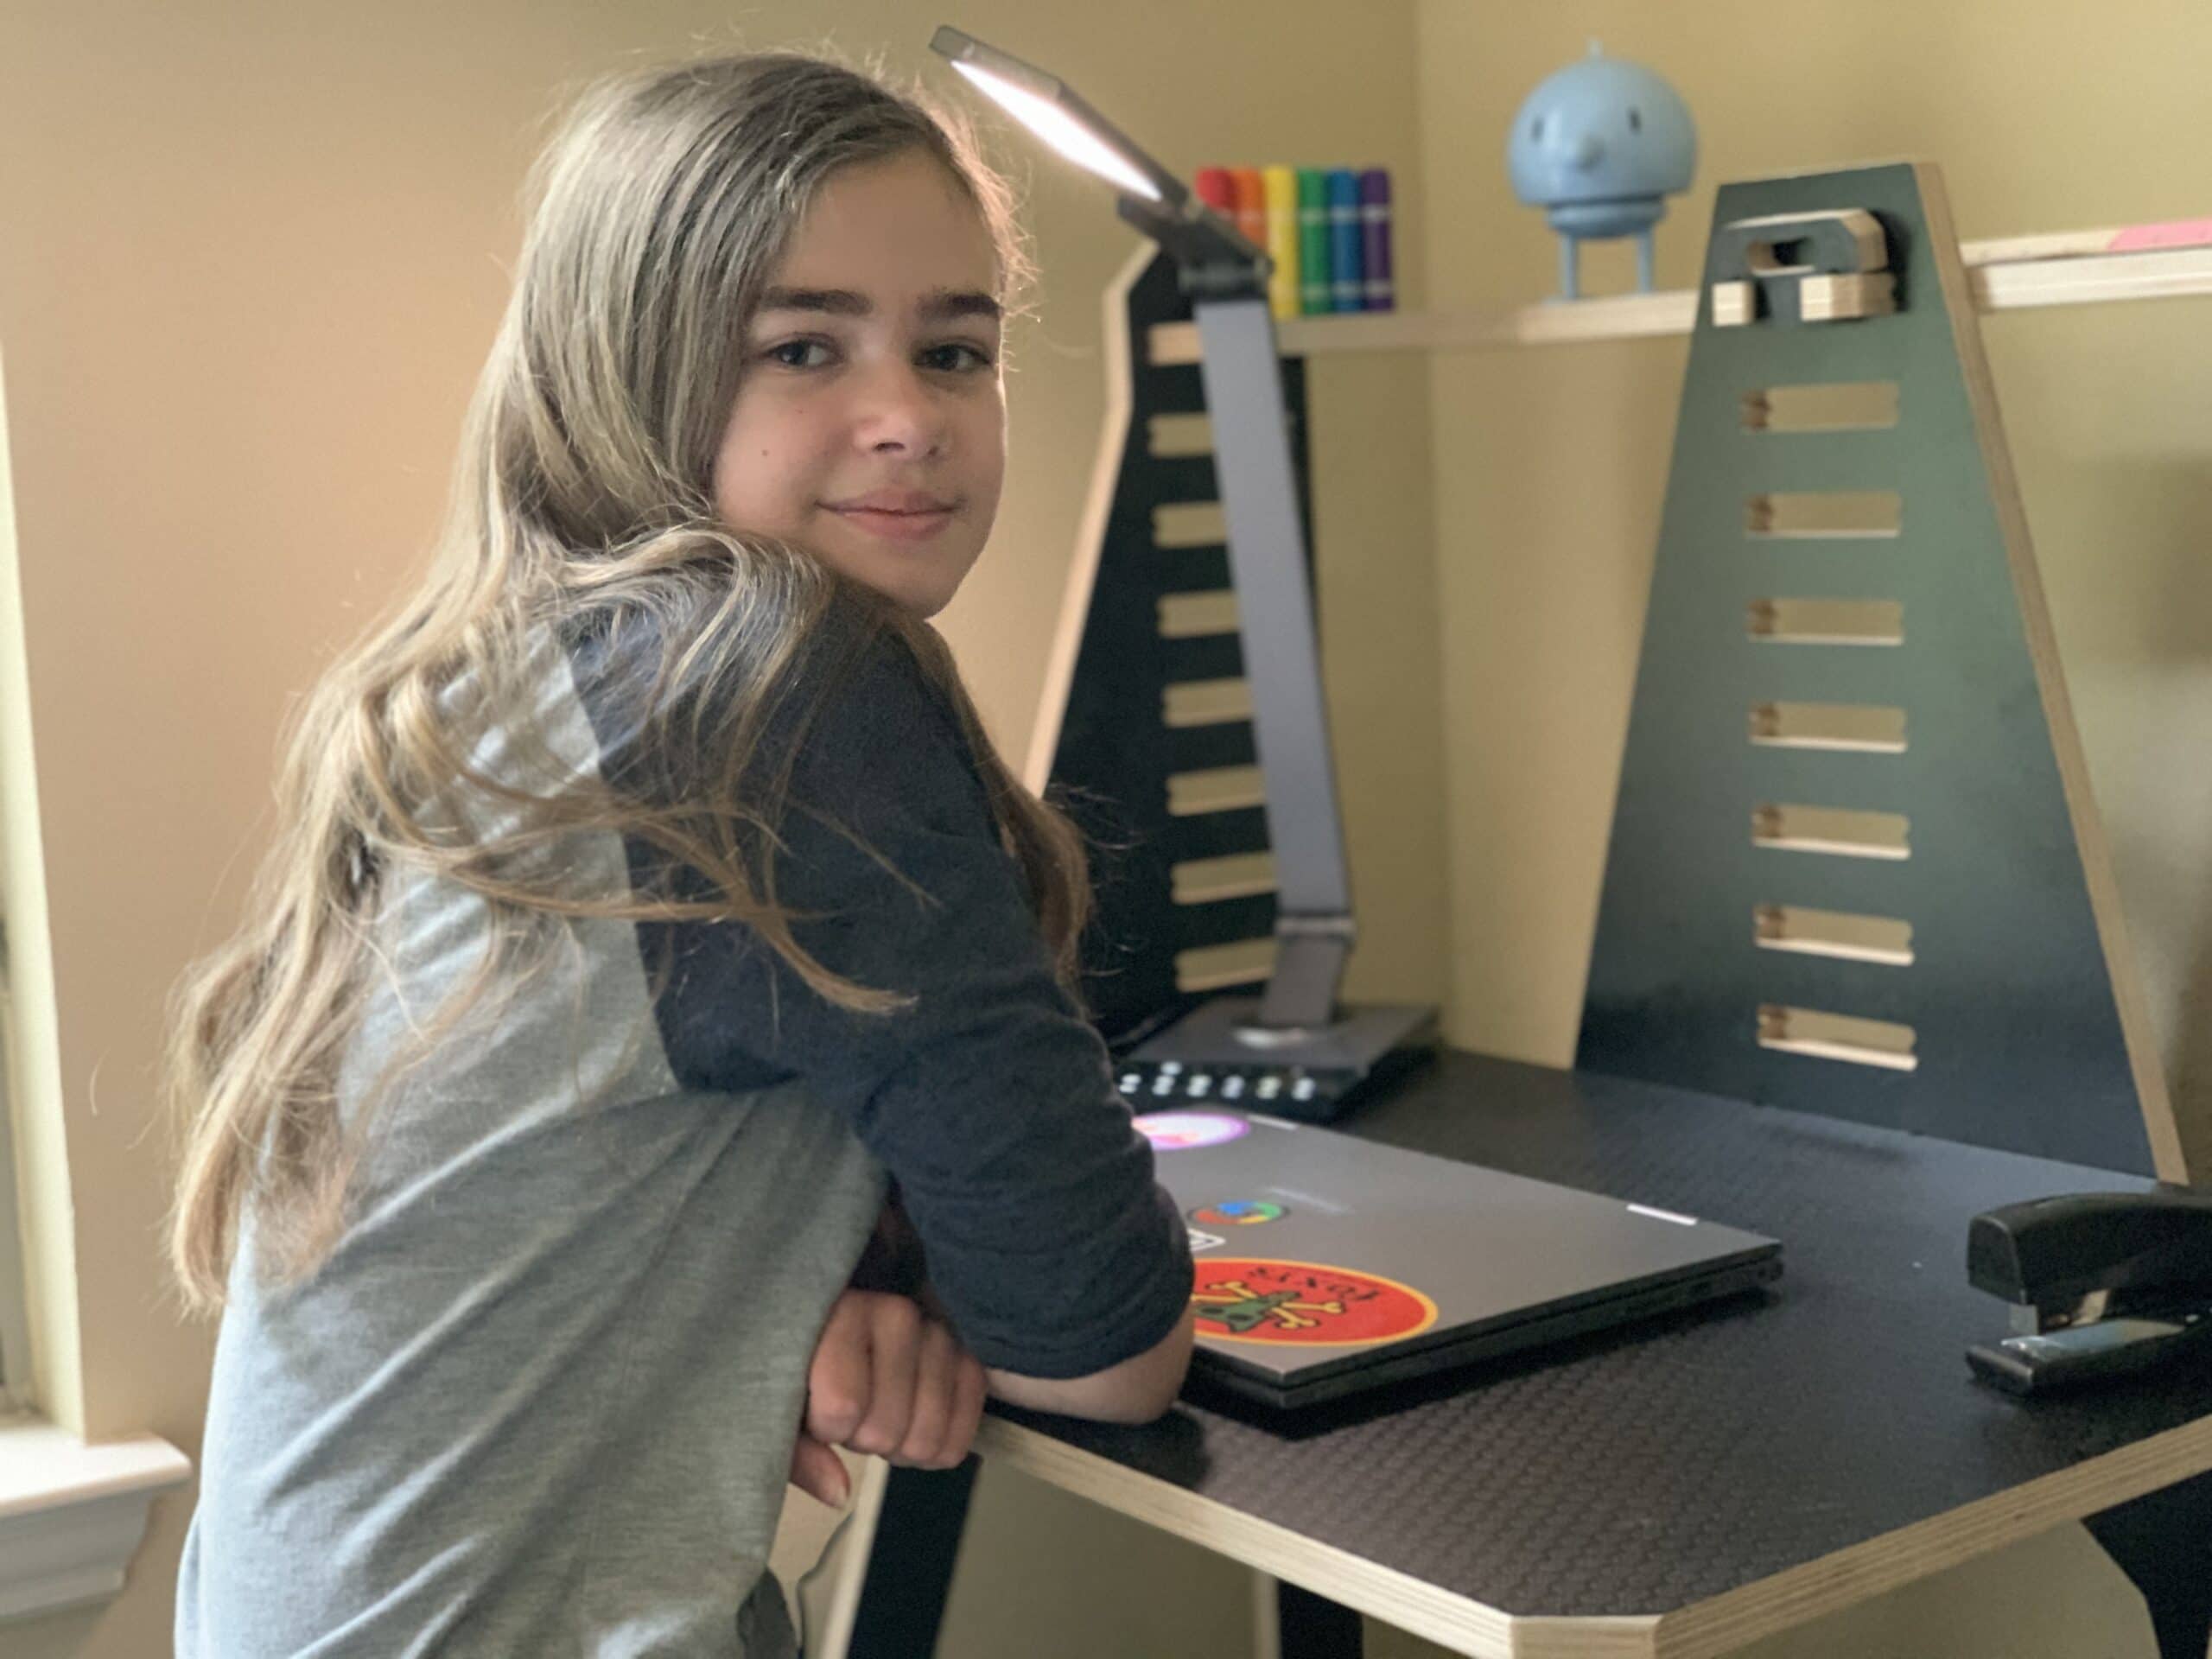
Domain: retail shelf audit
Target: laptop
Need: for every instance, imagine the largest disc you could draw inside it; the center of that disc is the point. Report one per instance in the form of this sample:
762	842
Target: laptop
1325	1266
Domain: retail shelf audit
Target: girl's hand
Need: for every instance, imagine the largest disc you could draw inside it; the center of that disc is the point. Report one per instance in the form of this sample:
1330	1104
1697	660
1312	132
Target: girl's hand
890	1380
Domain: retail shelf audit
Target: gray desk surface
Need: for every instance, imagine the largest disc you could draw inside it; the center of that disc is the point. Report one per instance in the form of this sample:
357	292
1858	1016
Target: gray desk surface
1716	1474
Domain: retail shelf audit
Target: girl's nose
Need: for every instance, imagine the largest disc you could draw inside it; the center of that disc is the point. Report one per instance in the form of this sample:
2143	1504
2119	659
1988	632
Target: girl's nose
902	411
1587	149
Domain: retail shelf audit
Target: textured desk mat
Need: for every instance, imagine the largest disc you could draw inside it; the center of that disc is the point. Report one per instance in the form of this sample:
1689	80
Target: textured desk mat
1641	1471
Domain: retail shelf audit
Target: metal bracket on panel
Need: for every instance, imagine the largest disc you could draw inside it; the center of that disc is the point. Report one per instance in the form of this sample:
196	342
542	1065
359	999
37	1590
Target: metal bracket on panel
1787	268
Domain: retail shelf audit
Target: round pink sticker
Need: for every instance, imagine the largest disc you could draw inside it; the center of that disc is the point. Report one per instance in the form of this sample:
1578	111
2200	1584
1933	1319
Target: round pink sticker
1181	1131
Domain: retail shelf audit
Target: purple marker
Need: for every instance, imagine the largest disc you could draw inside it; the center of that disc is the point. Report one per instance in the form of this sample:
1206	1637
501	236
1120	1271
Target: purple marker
1379	293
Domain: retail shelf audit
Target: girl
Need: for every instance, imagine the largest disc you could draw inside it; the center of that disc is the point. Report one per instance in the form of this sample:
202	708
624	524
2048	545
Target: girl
647	902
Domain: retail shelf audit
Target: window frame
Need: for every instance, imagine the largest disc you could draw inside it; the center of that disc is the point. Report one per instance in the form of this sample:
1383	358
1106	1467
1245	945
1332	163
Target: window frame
14	1278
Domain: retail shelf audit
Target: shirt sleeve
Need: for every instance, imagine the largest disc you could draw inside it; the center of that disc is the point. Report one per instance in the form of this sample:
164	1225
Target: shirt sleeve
989	1099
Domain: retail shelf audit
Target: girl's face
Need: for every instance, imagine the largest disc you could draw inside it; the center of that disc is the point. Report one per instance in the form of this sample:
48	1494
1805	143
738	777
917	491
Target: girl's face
869	426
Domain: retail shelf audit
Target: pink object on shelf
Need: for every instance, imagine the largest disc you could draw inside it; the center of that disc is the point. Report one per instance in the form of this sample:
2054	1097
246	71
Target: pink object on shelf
2174	233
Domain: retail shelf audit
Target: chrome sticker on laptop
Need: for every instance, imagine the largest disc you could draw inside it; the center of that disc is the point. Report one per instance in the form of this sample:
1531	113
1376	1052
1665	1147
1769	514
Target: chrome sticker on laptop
1238	1212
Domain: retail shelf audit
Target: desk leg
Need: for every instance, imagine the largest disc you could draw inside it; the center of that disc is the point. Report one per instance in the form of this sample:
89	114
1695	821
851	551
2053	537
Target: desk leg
1313	1627
910	1568
2163	1541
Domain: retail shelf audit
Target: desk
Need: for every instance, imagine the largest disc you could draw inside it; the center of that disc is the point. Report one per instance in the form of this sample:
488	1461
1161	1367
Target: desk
1682	1488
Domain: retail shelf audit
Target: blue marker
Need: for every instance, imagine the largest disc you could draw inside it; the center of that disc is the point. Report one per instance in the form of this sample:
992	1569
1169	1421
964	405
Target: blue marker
1347	280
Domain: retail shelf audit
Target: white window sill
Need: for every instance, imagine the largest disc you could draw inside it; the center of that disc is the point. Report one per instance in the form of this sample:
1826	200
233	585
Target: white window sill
72	1515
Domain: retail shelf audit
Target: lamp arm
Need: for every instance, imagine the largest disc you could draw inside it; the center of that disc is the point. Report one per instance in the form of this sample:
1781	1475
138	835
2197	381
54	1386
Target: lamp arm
1211	257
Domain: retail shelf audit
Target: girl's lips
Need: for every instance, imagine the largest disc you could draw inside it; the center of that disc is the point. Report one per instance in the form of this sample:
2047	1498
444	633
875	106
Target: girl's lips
897	526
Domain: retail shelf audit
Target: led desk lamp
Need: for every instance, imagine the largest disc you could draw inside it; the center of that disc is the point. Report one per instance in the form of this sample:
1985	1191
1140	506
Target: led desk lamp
1317	1051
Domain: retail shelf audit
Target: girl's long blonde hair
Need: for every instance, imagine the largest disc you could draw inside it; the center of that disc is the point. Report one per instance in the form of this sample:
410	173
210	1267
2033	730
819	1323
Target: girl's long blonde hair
584	498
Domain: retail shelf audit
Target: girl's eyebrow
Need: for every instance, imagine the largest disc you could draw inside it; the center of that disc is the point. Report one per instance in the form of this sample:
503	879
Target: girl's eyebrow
938	305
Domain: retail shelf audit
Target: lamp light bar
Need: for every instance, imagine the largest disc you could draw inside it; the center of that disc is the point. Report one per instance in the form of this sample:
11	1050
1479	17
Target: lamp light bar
1044	104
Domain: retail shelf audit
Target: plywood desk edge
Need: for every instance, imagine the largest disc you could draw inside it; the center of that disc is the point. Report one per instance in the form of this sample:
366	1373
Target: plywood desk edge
1702	1629
1397	1598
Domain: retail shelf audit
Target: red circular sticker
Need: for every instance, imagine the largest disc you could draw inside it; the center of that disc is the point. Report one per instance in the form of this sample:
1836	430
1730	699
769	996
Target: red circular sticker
1241	1299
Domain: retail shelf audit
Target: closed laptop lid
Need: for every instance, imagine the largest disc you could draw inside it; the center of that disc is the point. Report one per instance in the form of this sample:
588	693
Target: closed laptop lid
1316	1252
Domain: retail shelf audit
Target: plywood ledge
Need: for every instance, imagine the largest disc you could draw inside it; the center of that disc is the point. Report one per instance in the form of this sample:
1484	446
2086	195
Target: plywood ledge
2020	273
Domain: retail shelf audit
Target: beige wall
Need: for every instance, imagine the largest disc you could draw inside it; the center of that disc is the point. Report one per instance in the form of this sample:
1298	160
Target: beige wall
252	255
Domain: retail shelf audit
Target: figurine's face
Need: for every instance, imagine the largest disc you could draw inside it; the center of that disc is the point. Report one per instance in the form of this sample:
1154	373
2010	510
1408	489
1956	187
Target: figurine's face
1603	131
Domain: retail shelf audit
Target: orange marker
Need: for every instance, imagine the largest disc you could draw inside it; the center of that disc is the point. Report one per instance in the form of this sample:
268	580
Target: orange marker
1251	205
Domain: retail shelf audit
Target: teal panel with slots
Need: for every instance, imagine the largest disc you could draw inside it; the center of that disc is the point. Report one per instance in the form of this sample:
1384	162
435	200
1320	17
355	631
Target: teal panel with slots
2015	1035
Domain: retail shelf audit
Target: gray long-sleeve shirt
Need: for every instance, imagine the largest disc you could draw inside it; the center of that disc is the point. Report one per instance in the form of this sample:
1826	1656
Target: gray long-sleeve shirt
541	1397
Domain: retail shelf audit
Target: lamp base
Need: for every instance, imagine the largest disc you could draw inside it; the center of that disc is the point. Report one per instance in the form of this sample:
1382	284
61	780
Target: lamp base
1220	1055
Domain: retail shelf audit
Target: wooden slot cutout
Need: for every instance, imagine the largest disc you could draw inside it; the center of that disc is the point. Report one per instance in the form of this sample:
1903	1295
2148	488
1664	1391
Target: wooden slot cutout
1837	1037
1189	524
1837	933
1216	967
1824	514
1192	616
1178	437
1217	789
1869	728
1832	830
1826	621
1831	406
1233	875
1205	703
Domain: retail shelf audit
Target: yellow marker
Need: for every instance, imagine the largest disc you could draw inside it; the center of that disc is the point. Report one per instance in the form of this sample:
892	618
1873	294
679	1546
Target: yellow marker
1281	185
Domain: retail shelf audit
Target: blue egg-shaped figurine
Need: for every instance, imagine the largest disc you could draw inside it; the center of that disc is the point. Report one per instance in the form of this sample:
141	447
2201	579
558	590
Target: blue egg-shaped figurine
1600	146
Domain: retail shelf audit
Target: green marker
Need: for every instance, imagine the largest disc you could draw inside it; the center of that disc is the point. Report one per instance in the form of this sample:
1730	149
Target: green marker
1313	295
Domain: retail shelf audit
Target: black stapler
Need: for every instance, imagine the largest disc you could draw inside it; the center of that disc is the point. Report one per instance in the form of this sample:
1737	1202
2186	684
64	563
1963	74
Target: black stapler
2101	1284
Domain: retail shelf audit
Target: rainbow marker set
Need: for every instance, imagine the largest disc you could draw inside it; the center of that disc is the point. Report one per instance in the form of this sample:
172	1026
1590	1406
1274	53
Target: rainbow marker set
1326	229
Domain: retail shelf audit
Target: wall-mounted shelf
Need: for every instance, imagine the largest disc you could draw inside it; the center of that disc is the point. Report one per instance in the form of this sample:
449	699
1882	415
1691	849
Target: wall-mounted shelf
2012	273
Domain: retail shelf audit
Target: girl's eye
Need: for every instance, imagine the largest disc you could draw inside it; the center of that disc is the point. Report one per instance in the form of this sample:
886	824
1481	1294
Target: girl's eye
956	359
944	357
782	354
